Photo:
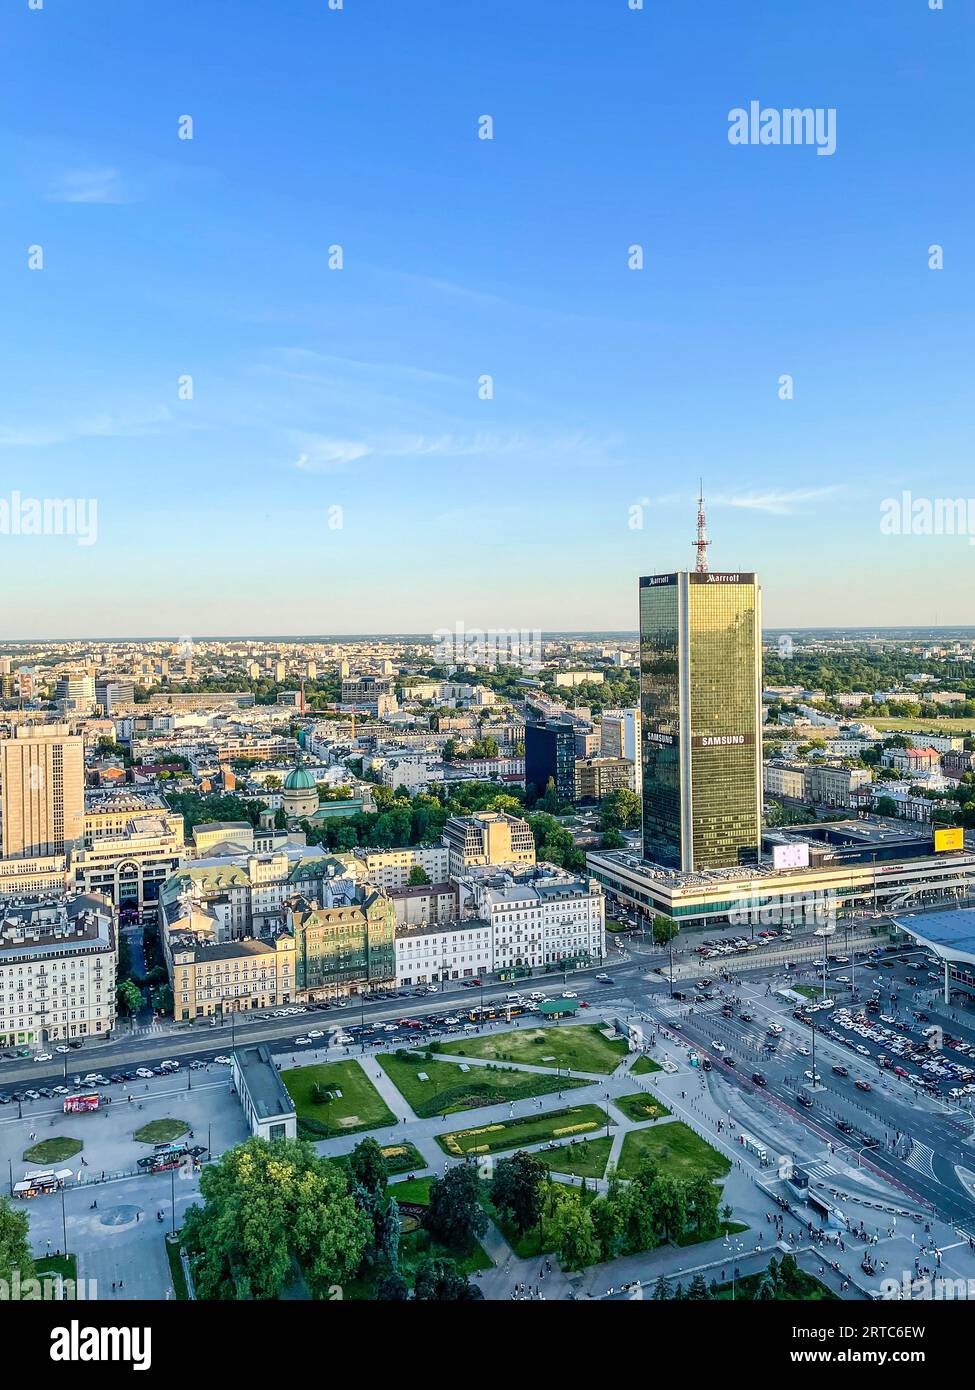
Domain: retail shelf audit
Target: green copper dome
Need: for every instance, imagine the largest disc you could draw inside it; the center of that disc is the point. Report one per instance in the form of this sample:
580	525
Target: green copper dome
299	780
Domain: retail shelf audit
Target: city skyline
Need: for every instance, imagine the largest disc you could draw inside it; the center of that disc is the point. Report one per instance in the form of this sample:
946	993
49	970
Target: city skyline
337	413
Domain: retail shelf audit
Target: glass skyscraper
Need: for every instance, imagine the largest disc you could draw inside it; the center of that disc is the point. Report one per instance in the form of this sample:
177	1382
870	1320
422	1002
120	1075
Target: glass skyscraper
701	709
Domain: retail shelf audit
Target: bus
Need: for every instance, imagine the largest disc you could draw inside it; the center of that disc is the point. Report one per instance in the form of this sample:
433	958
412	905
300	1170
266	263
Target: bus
39	1184
754	1146
79	1105
492	1011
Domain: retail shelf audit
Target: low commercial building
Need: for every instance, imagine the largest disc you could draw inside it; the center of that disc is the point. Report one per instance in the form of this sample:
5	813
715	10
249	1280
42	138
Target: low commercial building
540	917
857	865
40	876
267	1106
58	965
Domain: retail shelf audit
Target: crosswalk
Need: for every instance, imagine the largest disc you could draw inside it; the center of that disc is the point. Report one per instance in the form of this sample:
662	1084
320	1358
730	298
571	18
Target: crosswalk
921	1159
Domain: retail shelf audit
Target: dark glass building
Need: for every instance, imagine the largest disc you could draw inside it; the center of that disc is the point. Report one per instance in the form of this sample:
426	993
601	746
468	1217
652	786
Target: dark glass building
701	715
550	751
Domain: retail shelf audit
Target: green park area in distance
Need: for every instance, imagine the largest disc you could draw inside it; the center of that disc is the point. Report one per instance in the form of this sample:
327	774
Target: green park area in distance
576	1047
447	1088
335	1098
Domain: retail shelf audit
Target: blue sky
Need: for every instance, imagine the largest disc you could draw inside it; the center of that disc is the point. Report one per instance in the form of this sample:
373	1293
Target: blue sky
357	389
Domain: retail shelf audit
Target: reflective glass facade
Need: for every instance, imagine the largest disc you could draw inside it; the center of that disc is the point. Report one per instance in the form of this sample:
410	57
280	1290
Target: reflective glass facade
700	652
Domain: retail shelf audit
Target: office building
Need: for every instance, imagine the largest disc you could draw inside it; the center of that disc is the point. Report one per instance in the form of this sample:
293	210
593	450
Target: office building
487	837
550	756
229	977
700	707
42	805
597	777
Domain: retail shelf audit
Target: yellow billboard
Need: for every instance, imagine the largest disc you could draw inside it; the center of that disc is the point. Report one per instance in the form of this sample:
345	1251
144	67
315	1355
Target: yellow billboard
951	838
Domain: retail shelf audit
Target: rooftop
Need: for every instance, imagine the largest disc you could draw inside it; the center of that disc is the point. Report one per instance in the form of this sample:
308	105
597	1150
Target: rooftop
260	1077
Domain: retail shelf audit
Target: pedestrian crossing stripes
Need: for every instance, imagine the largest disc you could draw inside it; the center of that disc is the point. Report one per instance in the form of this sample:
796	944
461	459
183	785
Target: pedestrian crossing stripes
921	1159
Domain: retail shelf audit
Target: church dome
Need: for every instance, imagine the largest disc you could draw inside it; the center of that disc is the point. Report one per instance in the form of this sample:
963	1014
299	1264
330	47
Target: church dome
299	780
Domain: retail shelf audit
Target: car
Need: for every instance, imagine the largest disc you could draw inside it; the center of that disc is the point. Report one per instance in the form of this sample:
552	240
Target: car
32	1095
143	1073
759	1079
841	1071
803	1050
813	1076
302	1042
729	1061
433	989
844	1126
74	1045
222	1060
718	1047
44	1057
61	1091
862	1085
450	1021
315	1033
62	1048
803	1099
196	1064
605	980
569	994
863	1051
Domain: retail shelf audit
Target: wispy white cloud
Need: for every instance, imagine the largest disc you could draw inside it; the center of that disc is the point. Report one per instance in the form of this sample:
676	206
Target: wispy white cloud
87	186
327	454
775	501
101	426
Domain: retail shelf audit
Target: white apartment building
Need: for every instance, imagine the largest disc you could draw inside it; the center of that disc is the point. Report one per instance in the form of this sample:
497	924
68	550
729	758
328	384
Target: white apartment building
784	779
451	951
58	964
390	868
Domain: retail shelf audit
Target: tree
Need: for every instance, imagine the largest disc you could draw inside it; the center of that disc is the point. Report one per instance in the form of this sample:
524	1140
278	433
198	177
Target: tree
14	1243
393	1289
129	997
455	1216
417	876
620	810
440	1281
664	930
368	1167
661	1290
571	1229
698	1290
517	1189
265	1206
612	839
765	1291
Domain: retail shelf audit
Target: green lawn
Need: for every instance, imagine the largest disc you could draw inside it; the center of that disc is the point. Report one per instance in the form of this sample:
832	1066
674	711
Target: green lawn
412	1190
641	1105
176	1268
54	1150
448	1089
725	1228
808	1289
643	1065
400	1158
677	1148
577	1047
586	1158
161	1131
359	1107
53	1265
532	1129
926	726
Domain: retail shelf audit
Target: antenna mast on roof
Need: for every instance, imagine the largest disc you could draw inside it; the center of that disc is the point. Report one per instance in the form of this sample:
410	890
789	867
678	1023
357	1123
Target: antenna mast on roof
702	543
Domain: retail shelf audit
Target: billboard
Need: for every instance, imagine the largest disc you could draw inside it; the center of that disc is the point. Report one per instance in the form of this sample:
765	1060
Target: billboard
952	837
795	856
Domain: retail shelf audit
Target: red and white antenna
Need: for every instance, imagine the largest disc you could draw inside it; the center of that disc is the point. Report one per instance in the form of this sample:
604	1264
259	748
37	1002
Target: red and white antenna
701	546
